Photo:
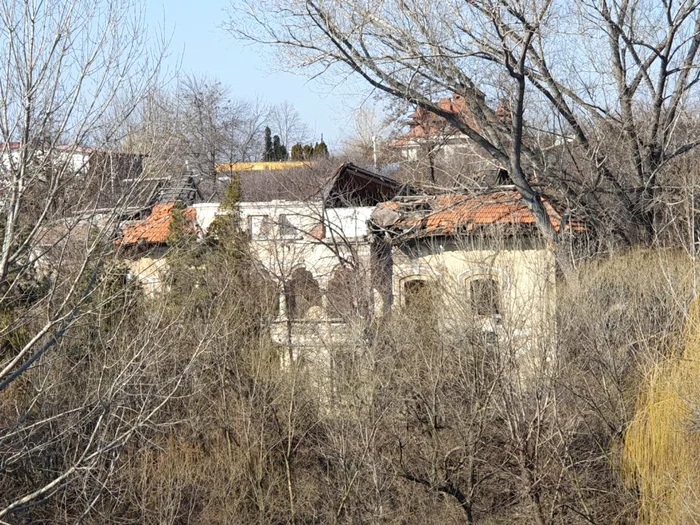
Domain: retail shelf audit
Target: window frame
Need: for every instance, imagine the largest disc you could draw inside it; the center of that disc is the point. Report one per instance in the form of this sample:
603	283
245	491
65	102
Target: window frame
495	309
260	235
286	227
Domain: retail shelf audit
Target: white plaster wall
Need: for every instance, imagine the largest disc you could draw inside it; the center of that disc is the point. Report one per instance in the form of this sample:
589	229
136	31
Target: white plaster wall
75	161
344	237
206	213
526	280
351	223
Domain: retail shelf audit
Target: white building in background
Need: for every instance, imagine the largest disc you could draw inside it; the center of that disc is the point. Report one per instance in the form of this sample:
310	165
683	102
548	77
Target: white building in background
89	177
434	145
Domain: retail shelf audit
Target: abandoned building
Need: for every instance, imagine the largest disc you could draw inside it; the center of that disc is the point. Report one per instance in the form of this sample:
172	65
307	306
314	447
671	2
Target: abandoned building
310	234
478	259
355	244
307	229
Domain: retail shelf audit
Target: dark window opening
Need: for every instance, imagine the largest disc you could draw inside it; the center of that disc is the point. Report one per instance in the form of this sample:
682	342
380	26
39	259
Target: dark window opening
342	294
415	293
259	226
420	300
287	229
302	294
485	296
502	178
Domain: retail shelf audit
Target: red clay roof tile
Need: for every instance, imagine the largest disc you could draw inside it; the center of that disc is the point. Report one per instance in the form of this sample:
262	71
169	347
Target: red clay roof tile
451	213
155	228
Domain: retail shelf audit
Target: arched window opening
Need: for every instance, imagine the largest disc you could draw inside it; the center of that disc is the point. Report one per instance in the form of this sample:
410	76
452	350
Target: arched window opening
302	294
420	301
419	295
342	294
415	292
485	296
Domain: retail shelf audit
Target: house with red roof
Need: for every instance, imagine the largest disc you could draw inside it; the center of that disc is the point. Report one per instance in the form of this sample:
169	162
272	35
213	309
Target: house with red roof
432	142
352	243
478	258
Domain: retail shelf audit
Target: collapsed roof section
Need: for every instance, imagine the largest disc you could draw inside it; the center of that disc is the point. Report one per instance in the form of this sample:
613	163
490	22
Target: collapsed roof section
450	215
352	186
155	229
348	186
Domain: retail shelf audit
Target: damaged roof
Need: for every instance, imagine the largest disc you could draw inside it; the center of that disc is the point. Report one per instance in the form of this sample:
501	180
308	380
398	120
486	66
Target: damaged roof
455	214
352	185
155	229
348	185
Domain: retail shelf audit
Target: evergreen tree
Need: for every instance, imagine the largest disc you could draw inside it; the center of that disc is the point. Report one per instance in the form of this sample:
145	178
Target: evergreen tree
232	195
224	232
179	228
267	156
297	152
279	150
308	151
320	150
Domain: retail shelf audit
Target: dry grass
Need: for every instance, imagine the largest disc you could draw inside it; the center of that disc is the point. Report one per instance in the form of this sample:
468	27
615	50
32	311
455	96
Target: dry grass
662	445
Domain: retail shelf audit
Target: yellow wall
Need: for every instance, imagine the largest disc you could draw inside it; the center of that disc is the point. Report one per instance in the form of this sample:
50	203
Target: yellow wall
260	166
149	271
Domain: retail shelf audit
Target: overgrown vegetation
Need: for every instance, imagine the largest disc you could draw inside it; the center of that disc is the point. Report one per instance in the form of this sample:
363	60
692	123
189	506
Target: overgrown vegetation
412	425
162	395
661	448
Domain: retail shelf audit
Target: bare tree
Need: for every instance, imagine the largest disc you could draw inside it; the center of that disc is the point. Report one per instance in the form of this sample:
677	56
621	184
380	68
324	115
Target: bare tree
195	126
72	74
618	124
368	138
214	126
286	122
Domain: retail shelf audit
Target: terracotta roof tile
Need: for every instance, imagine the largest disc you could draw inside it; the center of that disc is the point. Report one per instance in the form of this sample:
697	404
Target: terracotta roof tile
155	228
424	124
452	213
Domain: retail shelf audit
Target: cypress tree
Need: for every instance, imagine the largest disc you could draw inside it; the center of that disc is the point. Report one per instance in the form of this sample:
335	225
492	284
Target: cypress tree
297	152
321	150
279	150
267	156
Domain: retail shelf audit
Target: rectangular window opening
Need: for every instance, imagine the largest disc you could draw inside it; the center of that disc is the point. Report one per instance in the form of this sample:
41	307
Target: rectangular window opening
485	297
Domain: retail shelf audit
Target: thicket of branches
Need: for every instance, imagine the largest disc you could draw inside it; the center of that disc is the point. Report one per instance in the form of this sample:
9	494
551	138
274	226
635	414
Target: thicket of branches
122	405
411	423
600	98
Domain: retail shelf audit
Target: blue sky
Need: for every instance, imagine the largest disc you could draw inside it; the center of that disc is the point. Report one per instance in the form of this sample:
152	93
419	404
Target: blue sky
201	47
